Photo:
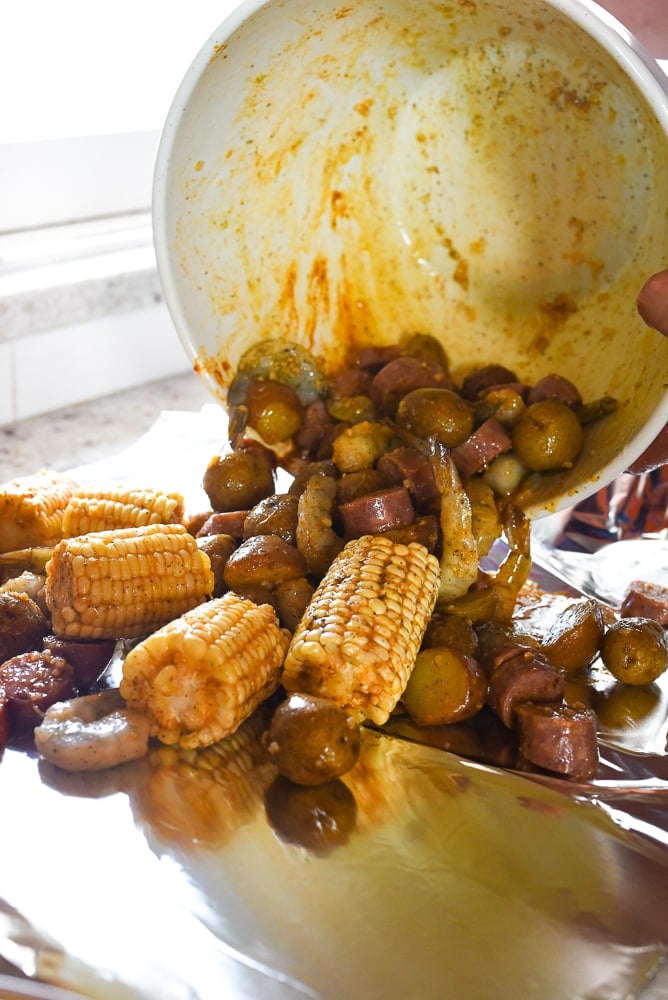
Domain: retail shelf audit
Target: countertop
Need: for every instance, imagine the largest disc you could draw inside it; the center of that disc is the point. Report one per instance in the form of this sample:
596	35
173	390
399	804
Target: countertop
75	435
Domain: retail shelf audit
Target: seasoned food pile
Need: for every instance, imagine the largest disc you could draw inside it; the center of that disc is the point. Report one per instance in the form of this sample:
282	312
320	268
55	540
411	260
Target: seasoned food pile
387	579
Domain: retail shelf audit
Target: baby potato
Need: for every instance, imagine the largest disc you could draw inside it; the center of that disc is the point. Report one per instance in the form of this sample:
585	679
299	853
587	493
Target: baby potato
238	479
445	686
426	347
274	410
547	435
311	740
635	650
219	548
573	639
440	413
274	515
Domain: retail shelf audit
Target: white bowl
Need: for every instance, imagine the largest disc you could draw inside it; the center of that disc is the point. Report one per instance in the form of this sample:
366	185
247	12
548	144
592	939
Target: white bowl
492	173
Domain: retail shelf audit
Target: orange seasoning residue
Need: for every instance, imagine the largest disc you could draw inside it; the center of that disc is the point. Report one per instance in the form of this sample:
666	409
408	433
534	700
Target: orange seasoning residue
339	207
318	290
564	96
287	302
364	107
559	308
578	226
461	273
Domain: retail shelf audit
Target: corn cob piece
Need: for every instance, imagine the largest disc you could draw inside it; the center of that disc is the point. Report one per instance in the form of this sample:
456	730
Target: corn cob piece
361	632
107	509
120	584
200	676
31	511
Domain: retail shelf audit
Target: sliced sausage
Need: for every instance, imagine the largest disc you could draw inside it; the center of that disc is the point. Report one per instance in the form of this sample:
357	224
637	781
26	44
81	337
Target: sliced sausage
315	426
482	379
373	358
31	683
412	469
194	522
646	600
496	648
525	677
369	515
22	624
352	382
480	448
88	659
555	387
559	738
258	593
229	522
400	377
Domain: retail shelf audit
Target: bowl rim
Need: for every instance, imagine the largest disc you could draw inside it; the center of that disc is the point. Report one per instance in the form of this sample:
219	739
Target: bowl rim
630	54
599	24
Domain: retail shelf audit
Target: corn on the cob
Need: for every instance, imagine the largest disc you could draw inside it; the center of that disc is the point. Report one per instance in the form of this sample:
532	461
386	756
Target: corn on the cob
113	584
361	632
31	511
107	509
200	676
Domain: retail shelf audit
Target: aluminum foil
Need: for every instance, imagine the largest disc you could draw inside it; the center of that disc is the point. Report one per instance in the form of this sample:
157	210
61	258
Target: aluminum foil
426	871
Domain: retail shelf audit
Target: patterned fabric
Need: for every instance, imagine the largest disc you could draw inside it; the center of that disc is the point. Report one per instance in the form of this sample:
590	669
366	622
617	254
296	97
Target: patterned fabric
629	507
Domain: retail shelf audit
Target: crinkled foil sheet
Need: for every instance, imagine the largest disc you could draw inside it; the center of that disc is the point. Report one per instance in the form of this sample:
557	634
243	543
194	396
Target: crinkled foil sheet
191	877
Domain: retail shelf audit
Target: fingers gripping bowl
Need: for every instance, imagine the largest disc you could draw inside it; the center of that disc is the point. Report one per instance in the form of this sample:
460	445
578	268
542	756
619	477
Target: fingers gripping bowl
493	174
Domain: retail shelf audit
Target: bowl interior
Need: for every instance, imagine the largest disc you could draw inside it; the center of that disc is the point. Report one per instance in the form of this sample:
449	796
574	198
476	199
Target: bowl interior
491	173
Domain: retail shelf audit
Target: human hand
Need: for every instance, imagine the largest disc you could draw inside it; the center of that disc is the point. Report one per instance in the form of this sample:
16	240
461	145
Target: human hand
652	303
646	19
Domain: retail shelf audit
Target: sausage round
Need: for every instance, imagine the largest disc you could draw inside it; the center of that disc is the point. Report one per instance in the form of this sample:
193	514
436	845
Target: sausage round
369	515
31	683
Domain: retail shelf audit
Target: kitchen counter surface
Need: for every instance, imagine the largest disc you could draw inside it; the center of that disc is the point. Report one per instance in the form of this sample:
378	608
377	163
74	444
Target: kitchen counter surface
87	432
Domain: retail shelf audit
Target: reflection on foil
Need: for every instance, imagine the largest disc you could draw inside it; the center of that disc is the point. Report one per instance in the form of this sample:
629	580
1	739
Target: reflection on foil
205	796
438	849
207	885
318	818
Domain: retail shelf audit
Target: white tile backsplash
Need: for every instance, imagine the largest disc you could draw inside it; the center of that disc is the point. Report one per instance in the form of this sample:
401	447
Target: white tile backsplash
82	361
81	316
